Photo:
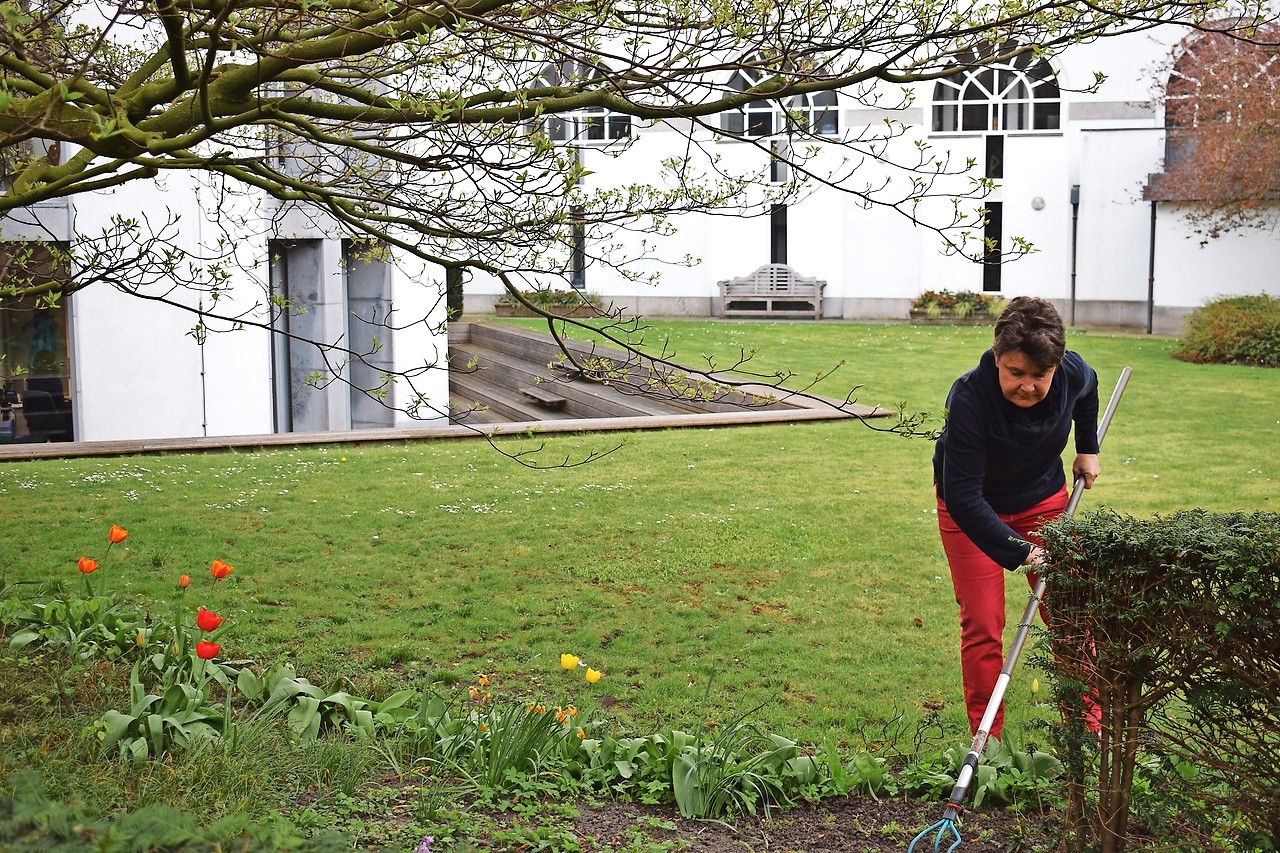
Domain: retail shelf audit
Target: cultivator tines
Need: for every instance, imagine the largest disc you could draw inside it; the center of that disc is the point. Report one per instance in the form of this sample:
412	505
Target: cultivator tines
942	832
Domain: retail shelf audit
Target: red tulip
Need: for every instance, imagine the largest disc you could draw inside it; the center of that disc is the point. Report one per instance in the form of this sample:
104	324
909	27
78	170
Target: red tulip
206	650
87	565
117	534
220	570
184	581
207	620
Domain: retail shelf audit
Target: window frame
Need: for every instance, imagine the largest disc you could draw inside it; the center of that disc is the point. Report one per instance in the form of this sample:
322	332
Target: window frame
589	126
763	119
983	98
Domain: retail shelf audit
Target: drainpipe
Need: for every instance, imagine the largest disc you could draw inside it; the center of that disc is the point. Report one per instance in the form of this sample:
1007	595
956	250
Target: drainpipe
1151	273
201	335
1075	230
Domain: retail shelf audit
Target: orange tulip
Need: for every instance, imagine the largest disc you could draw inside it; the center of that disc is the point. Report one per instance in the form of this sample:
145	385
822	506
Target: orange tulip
184	581
207	620
220	570
206	650
117	534
87	565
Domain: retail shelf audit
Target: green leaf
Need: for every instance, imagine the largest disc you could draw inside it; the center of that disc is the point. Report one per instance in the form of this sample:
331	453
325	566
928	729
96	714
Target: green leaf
250	686
115	726
22	638
304	718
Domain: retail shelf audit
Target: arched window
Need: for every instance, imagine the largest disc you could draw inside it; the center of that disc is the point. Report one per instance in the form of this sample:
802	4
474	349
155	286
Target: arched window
1021	94
816	113
1219	113
592	124
1217	76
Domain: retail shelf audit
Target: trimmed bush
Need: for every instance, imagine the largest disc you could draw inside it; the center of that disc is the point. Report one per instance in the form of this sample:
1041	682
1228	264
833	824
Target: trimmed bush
1233	330
1172	625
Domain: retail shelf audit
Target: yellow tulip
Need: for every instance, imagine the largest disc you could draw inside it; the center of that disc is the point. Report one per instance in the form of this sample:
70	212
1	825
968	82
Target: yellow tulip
1035	686
569	661
592	675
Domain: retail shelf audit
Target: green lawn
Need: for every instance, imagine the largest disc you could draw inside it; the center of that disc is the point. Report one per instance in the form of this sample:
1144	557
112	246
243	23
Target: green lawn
798	563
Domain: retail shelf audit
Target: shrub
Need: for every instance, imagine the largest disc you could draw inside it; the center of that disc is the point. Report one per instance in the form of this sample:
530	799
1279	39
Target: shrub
1233	330
549	299
1170	624
963	304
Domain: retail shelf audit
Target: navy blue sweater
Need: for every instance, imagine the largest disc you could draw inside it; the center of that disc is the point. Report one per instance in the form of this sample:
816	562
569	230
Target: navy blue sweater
994	457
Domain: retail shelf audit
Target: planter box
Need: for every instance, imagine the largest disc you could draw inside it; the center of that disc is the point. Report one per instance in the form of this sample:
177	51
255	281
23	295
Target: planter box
922	318
503	309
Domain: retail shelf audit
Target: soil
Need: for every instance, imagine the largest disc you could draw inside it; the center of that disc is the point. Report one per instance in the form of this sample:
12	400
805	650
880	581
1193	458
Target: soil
842	825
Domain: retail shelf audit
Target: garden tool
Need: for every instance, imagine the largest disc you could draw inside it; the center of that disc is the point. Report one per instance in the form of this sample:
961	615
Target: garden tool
945	830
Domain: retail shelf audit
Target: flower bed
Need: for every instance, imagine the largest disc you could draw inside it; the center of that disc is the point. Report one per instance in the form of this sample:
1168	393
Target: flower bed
562	303
963	308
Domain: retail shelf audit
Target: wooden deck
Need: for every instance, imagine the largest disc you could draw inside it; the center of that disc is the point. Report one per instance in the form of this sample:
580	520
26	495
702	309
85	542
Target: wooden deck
491	400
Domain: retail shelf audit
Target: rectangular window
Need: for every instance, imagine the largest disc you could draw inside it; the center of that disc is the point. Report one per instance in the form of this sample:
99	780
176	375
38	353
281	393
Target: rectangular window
593	127
1017	115
619	127
35	355
976	116
1048	115
993	234
778	234
759	118
557	129
995	156
946	118
578	249
369	290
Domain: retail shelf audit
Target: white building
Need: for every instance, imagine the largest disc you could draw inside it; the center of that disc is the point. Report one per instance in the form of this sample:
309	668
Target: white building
107	365
1070	167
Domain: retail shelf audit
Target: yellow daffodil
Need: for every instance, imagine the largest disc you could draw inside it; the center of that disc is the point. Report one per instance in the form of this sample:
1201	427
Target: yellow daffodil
561	716
569	661
593	675
581	734
573	712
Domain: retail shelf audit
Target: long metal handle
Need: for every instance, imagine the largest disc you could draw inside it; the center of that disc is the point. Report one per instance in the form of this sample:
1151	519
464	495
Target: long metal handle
1024	627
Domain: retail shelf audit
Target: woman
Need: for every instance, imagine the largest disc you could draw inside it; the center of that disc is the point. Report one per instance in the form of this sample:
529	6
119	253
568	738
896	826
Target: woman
998	474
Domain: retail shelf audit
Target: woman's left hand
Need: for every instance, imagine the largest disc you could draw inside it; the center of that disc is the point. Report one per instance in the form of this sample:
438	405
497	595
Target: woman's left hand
1086	466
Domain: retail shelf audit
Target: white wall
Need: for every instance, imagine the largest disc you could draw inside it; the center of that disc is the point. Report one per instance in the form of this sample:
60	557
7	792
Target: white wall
137	368
1191	269
418	292
876	261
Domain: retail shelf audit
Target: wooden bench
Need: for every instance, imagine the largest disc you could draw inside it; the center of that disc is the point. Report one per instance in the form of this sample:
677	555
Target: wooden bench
543	396
773	290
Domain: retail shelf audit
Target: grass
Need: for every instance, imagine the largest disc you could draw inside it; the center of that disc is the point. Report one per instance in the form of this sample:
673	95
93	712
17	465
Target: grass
799	563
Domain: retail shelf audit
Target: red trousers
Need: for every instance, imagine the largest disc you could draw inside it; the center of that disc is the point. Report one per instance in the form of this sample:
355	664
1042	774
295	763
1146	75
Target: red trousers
979	585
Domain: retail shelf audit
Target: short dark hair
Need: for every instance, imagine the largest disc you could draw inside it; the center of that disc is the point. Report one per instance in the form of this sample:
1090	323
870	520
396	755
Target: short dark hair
1033	327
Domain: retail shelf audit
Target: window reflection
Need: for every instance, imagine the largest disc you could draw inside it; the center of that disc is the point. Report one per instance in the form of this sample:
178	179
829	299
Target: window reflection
35	364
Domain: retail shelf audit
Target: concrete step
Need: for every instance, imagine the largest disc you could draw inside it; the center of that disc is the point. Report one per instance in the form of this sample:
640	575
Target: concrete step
468	389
